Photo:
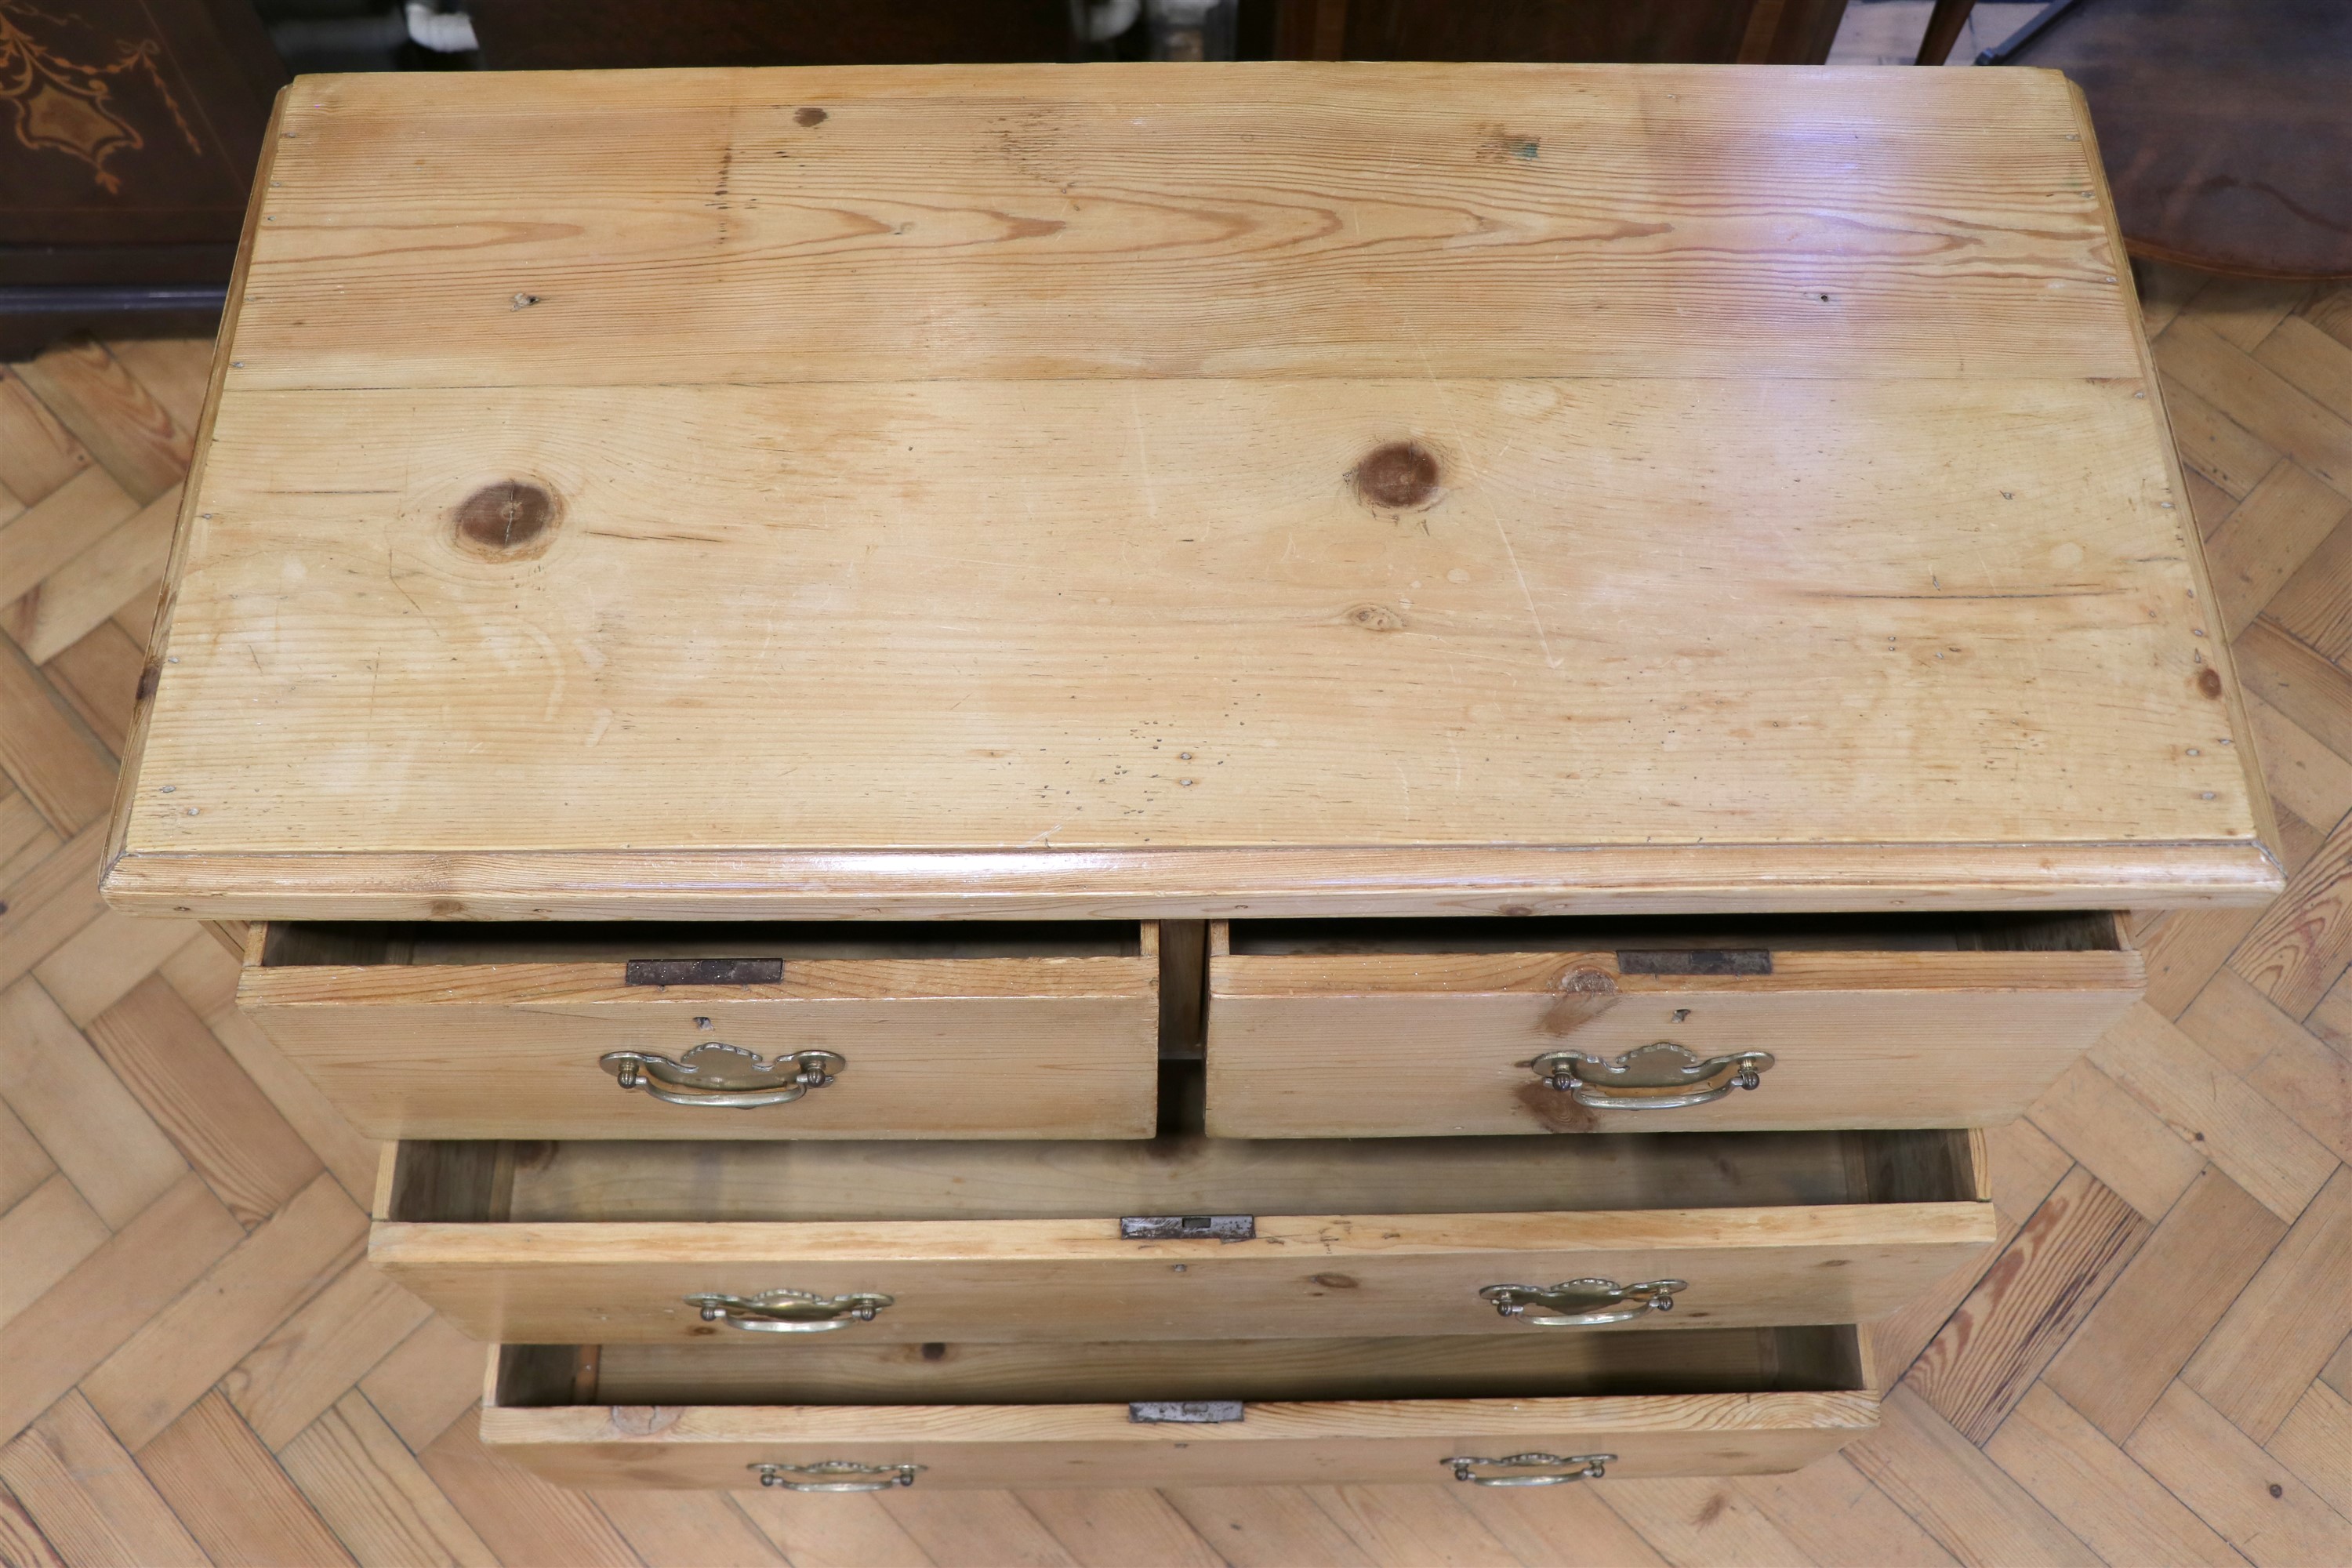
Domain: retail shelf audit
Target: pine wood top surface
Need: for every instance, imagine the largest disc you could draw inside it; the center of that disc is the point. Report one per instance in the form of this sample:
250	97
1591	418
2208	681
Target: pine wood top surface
970	490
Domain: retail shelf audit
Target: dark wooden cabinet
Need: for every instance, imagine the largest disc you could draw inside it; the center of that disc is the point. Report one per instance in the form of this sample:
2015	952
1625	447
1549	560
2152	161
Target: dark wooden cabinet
1697	31
132	131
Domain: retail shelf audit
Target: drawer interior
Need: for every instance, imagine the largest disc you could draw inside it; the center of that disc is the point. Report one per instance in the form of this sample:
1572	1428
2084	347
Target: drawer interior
1999	930
1181	1172
291	943
821	1370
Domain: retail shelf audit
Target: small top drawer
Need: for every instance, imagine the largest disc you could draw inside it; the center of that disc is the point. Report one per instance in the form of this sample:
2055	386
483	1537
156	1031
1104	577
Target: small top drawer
1406	1027
1009	1029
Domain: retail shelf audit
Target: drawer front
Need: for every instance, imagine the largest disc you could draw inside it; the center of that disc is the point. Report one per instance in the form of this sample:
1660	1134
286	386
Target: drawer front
1363	1044
984	1048
1104	1445
1295	1277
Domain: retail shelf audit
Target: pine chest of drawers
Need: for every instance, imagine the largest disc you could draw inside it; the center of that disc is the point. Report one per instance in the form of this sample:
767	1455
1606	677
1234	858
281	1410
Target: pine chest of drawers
1114	774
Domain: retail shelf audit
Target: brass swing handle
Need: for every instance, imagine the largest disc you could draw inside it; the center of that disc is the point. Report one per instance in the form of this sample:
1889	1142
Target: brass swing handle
1661	1075
1583	1303
789	1311
836	1476
723	1077
1551	1470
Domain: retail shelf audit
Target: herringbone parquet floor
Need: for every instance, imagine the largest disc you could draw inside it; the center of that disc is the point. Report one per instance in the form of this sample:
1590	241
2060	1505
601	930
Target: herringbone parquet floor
198	1365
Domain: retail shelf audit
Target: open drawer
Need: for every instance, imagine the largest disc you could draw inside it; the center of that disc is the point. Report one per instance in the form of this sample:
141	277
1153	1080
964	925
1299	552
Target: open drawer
831	1416
1406	1027
1184	1236
1026	1029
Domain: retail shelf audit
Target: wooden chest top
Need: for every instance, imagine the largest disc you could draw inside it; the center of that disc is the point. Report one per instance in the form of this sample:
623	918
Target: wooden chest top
1176	490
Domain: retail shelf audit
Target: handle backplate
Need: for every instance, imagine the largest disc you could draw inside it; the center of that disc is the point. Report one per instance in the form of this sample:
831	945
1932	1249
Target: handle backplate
789	1311
836	1476
1659	1076
1530	1469
724	1077
1583	1303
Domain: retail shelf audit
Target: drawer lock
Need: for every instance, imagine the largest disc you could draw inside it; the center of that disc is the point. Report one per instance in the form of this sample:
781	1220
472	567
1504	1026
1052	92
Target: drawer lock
1530	1469
836	1476
789	1311
1658	1076
728	1077
1583	1303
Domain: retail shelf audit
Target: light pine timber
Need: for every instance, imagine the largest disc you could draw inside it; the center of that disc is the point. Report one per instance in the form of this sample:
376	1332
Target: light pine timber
1649	640
1861	1039
1046	1047
1309	1275
1097	1446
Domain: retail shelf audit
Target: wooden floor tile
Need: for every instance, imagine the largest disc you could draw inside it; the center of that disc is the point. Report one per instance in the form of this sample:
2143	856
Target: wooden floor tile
2302	774
2287	1322
184	1348
1700	1520
2240	1491
2315	606
50	533
2309	359
2117	1139
23	1163
974	1527
1837	1518
2237	1025
2337	1374
1966	1502
93	1127
36	453
2043	1286
98	965
1253	1527
306	1363
2297	680
230	1492
78	596
174	371
2118	1509
2231	458
813	1533
2314	1441
224	1126
1546	1527
2275	411
22	1544
43	1239
50	755
1115	1525
2260	1146
374	1494
2240	310
686	1530
2267	538
2303	943
351	1157
427	1381
522	1519
2152	1319
114	1294
88	1497
1402	1524
117	421
99	676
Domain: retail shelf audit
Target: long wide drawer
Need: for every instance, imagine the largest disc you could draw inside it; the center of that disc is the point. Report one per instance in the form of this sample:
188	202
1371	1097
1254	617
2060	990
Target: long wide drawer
1407	1027
936	1030
828	1417
1182	1237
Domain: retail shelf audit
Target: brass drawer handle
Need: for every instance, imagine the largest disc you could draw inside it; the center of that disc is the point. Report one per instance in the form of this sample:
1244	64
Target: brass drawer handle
726	1077
789	1311
1658	1076
1583	1303
1552	1469
836	1476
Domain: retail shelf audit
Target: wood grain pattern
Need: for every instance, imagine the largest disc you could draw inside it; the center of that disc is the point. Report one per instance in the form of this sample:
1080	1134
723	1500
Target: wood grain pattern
1860	1039
1552	690
1096	1444
2044	1284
